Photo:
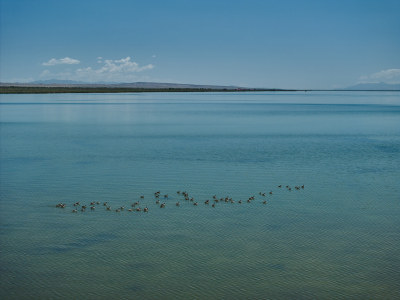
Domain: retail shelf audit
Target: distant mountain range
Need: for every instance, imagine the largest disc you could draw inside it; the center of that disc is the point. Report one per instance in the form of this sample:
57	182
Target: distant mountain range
381	86
145	85
160	85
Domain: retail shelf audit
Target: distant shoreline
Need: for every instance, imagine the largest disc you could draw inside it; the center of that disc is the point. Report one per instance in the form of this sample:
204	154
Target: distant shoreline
66	90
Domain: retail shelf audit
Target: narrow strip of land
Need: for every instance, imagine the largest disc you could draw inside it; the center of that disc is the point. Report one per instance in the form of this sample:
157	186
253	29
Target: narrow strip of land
50	90
74	89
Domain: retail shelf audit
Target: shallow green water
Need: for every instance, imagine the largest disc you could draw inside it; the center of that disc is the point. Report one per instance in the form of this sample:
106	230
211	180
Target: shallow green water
337	237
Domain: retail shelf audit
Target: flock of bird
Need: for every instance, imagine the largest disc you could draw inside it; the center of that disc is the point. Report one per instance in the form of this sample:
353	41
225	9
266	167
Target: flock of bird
77	206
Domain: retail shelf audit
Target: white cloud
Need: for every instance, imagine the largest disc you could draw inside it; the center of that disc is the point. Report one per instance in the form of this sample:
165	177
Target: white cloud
120	70
61	61
387	76
45	73
124	65
113	70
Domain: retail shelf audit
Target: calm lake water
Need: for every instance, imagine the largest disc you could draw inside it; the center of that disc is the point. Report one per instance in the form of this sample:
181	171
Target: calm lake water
339	237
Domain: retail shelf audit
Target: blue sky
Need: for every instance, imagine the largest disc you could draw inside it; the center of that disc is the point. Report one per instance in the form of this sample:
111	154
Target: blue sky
282	44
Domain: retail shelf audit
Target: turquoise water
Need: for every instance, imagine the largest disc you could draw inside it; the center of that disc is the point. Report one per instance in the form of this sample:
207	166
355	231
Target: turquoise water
338	237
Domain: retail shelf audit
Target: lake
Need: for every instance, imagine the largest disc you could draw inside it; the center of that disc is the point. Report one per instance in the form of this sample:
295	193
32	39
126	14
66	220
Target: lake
338	237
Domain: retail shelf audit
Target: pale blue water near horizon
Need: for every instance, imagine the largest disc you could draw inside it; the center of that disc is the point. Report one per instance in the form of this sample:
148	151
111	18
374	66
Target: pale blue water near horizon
336	238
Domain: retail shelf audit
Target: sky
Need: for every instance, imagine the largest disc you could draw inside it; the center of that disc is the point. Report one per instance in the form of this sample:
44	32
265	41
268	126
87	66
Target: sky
251	43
